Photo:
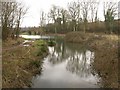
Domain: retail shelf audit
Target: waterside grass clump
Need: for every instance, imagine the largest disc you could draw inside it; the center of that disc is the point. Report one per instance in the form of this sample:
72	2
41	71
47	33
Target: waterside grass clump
51	43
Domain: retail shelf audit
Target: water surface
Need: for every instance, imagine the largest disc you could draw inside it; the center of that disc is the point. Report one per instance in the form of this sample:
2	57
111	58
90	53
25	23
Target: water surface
67	66
36	37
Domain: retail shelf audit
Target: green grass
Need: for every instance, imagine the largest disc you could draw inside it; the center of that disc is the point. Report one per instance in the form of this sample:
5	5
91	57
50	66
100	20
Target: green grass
41	47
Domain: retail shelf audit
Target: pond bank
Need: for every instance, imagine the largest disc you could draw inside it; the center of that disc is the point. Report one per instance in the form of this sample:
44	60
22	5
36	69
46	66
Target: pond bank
21	63
106	55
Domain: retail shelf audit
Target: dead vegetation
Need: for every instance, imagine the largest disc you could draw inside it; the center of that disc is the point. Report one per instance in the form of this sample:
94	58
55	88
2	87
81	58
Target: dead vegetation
106	55
106	60
78	37
18	65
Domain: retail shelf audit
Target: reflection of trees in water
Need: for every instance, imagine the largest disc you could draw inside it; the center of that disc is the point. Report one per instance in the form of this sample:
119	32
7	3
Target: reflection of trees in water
79	63
58	54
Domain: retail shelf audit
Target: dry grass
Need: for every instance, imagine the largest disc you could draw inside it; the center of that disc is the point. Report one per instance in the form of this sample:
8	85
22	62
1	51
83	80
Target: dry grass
111	37
106	65
106	62
0	63
9	42
12	63
106	59
78	37
17	68
106	55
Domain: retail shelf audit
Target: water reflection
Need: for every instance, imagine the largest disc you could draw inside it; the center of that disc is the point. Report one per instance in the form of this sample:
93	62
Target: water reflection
78	62
67	65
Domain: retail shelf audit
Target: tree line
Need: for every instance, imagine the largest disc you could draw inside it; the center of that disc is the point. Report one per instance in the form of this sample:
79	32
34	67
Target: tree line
78	16
11	16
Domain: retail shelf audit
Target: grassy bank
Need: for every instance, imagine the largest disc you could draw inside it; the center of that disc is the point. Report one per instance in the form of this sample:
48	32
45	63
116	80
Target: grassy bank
106	55
1	63
21	63
78	37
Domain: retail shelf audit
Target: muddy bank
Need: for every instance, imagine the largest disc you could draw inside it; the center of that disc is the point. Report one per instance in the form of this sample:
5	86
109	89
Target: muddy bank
106	55
20	64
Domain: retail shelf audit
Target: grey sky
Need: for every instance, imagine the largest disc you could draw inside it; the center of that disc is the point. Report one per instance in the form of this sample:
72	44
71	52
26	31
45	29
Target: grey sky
32	17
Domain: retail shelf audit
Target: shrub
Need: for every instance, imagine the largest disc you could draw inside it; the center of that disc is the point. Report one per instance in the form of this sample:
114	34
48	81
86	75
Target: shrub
51	43
29	32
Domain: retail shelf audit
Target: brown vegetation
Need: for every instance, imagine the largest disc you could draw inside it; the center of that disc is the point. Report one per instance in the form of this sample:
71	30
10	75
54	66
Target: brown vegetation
106	55
78	37
106	60
21	63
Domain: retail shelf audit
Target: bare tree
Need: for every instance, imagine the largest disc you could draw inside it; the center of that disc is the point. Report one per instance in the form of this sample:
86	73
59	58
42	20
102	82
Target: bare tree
74	11
53	13
110	12
53	16
12	14
112	6
59	17
64	16
42	18
48	18
85	7
6	12
94	10
21	11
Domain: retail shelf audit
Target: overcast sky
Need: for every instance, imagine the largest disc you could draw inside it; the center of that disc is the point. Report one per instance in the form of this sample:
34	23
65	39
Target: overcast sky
35	6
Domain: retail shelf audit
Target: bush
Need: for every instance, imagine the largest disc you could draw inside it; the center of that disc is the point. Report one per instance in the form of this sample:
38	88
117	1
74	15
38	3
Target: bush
29	32
51	43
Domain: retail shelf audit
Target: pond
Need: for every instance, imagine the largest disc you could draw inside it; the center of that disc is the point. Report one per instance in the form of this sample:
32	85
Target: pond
68	65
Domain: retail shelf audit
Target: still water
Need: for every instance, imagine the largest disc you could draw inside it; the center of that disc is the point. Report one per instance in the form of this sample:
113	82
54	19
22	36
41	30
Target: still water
67	66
